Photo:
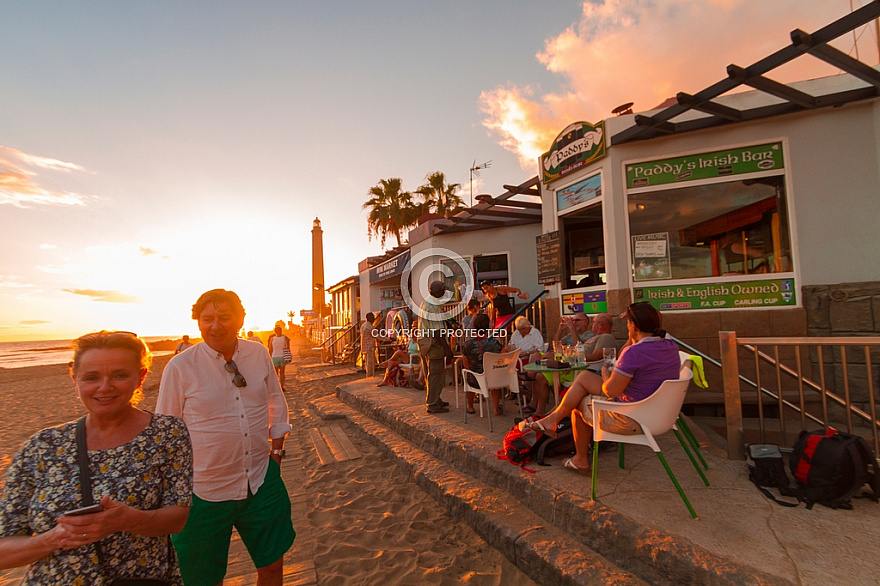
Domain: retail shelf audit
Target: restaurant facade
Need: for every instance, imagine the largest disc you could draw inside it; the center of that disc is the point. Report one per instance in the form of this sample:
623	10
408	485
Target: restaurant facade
767	227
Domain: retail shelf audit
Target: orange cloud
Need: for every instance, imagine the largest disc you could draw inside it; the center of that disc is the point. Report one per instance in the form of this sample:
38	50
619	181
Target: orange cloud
18	186
645	52
106	296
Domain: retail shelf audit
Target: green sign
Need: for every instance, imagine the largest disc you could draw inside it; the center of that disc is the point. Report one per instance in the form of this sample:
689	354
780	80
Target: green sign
751	159
739	295
579	144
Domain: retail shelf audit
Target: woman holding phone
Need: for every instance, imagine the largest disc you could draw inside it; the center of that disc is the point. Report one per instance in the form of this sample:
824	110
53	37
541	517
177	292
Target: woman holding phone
140	468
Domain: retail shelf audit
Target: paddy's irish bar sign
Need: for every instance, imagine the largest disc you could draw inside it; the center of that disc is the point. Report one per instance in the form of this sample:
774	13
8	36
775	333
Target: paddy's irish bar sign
579	144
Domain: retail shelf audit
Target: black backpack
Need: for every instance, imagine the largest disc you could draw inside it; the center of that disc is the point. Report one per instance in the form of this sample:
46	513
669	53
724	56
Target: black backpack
830	468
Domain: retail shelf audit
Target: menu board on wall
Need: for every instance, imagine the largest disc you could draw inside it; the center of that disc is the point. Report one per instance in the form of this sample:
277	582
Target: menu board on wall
739	295
549	254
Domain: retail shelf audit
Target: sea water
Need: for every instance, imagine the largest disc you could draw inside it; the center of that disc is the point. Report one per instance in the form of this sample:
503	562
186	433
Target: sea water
43	352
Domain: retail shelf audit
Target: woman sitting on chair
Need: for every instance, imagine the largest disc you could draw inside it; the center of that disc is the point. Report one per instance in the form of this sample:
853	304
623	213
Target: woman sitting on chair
472	354
394	375
649	359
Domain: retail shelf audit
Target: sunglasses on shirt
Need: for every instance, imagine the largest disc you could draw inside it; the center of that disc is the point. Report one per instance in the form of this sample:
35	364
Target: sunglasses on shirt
237	378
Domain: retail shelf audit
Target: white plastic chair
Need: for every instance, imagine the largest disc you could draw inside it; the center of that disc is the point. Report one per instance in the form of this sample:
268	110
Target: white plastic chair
656	415
499	371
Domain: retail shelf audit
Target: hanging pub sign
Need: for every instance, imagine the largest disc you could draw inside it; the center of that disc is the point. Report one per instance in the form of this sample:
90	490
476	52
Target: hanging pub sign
750	159
739	295
579	144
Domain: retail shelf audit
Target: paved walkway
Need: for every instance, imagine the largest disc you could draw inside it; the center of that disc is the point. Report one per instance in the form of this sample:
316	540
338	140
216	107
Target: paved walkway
638	522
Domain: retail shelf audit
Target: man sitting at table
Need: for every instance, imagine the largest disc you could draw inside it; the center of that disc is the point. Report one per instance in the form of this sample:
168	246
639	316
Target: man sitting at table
573	329
529	342
600	330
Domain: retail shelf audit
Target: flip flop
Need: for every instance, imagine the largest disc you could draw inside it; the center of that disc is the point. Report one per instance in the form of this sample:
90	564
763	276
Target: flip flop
575	468
539	427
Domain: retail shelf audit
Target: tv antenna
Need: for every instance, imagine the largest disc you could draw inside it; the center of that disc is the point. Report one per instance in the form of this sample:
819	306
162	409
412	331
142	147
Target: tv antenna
475	170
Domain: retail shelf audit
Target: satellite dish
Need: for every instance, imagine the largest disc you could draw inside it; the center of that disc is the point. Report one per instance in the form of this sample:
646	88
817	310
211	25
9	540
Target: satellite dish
623	109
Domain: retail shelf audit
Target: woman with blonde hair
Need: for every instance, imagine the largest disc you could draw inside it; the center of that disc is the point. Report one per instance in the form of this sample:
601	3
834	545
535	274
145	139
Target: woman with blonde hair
139	468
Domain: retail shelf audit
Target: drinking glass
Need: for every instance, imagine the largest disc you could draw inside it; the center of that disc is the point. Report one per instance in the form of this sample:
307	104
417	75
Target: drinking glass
609	355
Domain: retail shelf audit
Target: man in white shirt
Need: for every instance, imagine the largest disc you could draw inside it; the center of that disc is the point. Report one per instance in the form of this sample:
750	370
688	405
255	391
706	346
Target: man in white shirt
526	339
227	393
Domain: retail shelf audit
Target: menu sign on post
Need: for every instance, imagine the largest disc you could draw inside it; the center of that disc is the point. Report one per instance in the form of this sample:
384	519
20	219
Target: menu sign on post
549	256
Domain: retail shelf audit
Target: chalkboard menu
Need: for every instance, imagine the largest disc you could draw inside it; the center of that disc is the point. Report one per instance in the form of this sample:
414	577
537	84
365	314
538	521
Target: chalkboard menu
549	256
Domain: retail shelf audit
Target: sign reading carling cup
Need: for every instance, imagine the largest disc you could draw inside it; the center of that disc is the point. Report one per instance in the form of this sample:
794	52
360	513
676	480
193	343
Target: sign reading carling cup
576	146
423	268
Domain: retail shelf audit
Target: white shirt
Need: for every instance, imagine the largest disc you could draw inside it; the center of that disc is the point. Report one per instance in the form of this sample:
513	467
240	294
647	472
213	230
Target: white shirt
230	427
532	341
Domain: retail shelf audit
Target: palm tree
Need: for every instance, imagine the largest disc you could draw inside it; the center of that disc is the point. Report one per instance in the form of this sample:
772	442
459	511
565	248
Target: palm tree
392	210
440	195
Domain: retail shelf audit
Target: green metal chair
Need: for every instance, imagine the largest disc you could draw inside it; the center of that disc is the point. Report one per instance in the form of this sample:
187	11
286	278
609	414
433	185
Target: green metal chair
657	414
686	363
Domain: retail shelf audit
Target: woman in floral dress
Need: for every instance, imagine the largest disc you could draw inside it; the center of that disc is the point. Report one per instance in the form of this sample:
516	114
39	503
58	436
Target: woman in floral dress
141	473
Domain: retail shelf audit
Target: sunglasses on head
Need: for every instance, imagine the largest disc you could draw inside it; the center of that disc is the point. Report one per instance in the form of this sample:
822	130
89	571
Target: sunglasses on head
237	378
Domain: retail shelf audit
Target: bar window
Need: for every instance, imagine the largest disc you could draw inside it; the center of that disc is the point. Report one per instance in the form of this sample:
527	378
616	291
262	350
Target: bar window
729	228
583	248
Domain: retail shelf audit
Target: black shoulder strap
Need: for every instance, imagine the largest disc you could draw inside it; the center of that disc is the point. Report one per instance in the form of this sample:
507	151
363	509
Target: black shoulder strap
82	455
769	495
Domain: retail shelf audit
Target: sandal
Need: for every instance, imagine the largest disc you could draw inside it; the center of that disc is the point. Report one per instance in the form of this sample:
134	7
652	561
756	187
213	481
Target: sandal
575	468
471	411
537	426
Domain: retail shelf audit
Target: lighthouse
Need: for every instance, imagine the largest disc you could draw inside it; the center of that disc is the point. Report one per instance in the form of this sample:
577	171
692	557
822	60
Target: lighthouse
317	269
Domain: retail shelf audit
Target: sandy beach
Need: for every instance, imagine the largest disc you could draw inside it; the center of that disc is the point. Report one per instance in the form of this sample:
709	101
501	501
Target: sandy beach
360	521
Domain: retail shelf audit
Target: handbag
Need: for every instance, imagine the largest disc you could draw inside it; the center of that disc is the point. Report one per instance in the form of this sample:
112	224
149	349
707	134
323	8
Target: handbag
288	357
85	482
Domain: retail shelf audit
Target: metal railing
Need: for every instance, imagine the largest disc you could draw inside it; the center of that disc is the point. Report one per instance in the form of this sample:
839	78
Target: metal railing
837	392
336	343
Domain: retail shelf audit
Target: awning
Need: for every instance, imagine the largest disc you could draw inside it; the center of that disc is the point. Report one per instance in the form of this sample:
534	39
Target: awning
703	110
390	268
520	204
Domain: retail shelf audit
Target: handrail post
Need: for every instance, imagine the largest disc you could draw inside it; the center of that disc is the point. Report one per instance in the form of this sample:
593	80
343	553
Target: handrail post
732	399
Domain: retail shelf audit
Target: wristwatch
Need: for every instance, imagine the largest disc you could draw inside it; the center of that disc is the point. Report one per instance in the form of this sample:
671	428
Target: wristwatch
278	452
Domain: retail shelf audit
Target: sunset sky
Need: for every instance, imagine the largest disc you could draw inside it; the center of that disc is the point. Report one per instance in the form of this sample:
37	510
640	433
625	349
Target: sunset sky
150	151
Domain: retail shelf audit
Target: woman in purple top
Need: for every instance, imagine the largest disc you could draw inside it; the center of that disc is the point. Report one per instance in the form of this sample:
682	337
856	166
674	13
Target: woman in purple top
648	360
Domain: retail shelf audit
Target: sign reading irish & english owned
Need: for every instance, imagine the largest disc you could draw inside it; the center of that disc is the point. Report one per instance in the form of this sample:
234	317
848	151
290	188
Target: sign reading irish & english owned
751	159
739	295
579	144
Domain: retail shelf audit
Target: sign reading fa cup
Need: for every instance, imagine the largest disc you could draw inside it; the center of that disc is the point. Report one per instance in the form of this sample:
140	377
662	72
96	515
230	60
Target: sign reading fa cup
576	146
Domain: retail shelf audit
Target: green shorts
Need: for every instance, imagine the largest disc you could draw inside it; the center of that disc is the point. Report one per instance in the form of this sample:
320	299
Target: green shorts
278	361
262	521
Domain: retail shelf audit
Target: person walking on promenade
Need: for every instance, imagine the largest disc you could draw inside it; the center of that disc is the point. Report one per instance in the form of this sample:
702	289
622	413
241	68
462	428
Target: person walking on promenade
369	344
278	343
183	345
227	393
433	347
254	338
